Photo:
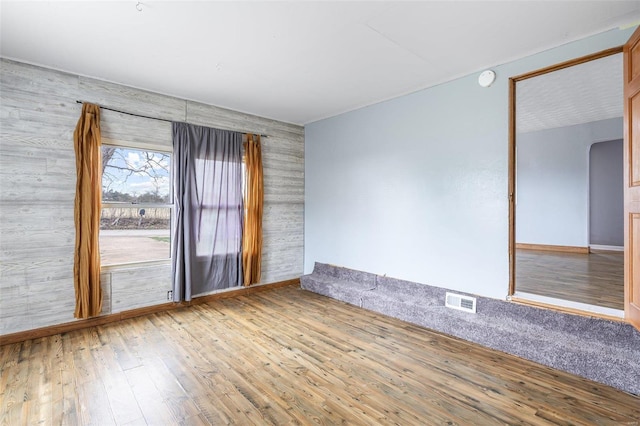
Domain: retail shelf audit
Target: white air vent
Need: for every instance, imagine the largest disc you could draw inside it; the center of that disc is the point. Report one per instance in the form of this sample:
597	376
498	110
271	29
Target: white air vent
458	301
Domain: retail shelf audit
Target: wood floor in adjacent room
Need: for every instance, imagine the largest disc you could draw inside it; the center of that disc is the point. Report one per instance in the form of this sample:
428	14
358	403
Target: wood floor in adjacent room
594	278
287	356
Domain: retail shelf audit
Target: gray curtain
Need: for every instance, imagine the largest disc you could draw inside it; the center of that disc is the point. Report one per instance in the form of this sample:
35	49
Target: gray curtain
207	236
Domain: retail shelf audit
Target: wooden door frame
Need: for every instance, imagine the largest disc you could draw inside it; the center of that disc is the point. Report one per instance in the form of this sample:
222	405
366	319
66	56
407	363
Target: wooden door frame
511	188
632	184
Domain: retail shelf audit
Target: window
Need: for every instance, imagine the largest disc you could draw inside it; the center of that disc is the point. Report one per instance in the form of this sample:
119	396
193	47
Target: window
218	229
135	223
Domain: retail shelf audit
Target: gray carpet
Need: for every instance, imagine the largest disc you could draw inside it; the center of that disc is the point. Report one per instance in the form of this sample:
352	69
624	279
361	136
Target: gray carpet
604	351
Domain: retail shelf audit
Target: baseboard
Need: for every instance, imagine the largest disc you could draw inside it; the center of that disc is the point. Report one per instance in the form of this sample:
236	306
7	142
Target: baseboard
547	247
573	308
21	336
600	248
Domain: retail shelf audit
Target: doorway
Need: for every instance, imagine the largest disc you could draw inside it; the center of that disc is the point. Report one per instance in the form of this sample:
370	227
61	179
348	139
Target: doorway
606	196
557	114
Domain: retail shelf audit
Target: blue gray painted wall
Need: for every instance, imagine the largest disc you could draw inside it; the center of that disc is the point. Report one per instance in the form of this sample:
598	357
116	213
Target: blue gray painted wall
552	201
416	187
606	195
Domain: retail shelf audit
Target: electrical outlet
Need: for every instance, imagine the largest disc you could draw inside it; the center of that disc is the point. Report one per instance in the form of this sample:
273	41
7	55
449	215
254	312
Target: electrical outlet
170	295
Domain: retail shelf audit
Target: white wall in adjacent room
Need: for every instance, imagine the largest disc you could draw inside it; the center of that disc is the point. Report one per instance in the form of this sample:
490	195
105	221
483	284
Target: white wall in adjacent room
552	201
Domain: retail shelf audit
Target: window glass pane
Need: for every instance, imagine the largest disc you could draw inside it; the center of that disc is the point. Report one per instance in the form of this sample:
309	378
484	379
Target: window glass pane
130	232
134	234
134	175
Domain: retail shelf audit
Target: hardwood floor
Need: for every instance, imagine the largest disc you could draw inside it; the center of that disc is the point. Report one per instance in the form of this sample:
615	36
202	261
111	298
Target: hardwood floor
594	278
286	356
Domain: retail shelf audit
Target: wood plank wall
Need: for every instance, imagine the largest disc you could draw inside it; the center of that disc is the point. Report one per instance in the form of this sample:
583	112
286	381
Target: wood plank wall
38	114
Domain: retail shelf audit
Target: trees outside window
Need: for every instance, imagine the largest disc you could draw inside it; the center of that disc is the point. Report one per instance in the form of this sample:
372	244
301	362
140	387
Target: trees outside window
135	224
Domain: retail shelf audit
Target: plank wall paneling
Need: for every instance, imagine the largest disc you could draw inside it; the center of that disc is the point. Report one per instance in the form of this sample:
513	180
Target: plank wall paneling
38	114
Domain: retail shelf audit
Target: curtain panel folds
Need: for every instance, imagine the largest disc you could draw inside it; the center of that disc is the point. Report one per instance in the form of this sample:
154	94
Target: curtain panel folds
207	235
88	201
254	200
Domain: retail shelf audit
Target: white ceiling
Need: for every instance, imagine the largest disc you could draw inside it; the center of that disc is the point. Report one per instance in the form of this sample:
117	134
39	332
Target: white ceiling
579	94
293	61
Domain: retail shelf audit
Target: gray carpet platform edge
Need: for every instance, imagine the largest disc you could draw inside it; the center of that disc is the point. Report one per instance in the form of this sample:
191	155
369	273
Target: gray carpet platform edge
604	351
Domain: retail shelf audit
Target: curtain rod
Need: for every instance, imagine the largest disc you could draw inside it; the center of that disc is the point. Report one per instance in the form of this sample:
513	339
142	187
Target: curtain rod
155	118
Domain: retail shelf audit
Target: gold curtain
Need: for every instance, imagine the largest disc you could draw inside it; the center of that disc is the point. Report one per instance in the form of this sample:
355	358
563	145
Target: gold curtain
254	197
86	266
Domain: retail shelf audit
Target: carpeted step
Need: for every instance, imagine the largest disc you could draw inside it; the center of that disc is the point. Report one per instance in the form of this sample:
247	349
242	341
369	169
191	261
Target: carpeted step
601	350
